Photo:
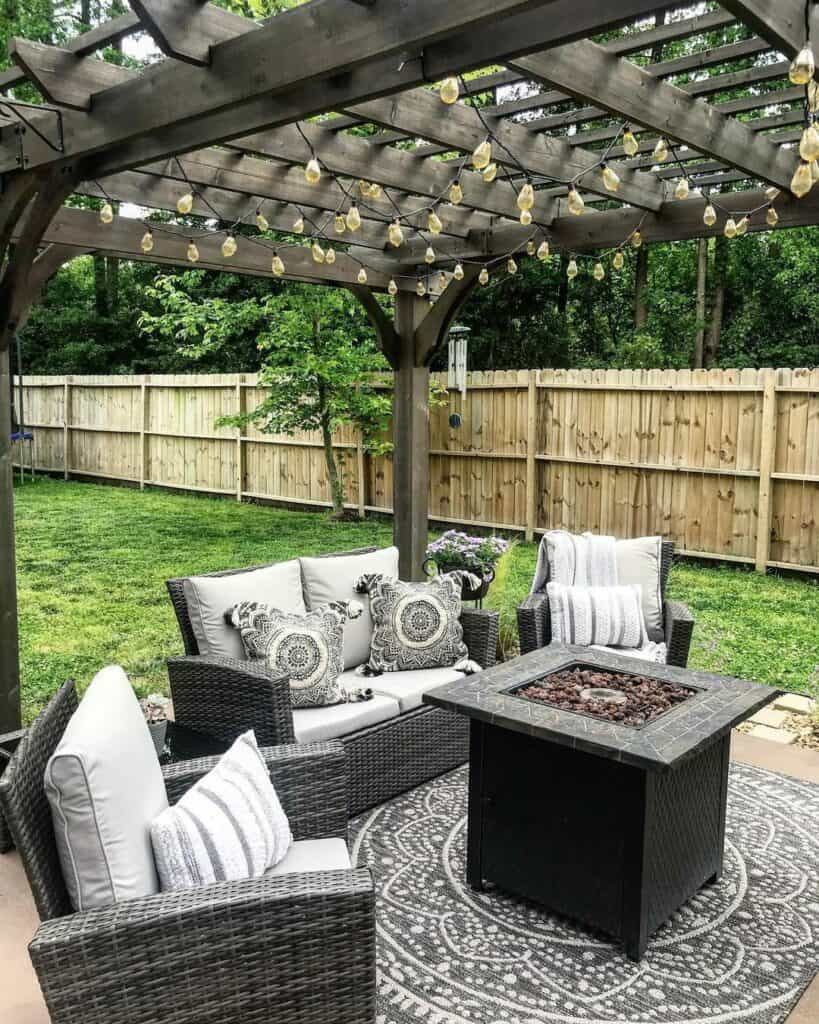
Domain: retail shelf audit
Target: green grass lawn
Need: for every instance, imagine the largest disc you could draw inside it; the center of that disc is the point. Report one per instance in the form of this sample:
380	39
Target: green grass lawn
92	561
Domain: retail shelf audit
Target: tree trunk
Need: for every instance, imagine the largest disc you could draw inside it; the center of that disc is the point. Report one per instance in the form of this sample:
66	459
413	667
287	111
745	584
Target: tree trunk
100	286
333	475
640	285
718	303
112	282
702	277
563	284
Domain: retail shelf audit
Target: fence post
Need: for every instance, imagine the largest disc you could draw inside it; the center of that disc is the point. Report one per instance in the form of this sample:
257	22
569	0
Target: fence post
531	445
240	445
66	425
766	466
143	431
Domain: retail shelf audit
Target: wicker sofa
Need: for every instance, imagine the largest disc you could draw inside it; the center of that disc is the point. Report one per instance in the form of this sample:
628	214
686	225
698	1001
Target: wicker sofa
222	697
535	628
298	948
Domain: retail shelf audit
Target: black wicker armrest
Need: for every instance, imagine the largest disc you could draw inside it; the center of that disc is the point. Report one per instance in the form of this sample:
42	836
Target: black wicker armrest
310	780
534	624
296	949
679	625
224	698
480	628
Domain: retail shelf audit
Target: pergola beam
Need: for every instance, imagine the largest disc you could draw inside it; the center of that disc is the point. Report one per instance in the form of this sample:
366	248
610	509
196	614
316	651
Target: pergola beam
187	29
781	22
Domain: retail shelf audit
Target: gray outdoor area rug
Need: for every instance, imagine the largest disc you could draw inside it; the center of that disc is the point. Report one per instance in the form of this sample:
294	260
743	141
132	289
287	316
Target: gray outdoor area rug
741	950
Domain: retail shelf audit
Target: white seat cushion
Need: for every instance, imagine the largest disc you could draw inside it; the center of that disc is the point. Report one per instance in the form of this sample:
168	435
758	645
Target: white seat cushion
209	597
333	579
314	855
406	687
312	725
105	787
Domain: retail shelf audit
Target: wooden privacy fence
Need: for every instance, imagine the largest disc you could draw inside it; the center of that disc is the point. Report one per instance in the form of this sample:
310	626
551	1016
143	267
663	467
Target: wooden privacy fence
723	462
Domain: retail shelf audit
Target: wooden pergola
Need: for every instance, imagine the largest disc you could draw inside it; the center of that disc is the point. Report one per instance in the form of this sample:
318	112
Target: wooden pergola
225	125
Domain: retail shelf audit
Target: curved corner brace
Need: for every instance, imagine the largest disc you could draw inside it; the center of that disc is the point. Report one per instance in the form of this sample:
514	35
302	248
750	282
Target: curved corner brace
431	333
387	337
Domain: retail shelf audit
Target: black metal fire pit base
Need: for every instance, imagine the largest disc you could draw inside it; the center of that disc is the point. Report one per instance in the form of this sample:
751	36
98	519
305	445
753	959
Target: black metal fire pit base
612	845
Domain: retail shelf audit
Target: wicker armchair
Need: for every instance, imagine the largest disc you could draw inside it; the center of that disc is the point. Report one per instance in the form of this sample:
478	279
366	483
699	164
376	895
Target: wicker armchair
296	948
223	698
535	626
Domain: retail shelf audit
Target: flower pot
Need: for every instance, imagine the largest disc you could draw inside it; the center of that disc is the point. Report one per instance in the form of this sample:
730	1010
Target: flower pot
467	592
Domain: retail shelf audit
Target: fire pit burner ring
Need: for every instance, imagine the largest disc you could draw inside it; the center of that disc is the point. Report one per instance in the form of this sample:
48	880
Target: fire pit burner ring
604	694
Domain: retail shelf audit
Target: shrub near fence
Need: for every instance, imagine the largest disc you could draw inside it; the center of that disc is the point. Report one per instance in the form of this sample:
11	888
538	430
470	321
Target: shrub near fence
723	462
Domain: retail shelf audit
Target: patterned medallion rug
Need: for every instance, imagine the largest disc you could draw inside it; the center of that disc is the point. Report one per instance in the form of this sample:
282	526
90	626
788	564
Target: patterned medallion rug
741	950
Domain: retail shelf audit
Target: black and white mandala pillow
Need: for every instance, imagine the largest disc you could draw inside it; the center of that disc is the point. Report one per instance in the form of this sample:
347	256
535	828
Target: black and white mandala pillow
416	625
307	648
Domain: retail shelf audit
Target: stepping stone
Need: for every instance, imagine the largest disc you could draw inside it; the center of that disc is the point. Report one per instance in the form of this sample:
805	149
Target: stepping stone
795	704
772	717
765	732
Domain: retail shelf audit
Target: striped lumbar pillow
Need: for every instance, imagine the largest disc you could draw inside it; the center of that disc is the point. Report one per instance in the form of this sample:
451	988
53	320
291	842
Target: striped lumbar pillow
606	616
229	826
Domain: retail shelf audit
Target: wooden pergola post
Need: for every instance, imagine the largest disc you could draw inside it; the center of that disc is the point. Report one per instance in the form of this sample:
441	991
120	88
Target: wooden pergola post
9	656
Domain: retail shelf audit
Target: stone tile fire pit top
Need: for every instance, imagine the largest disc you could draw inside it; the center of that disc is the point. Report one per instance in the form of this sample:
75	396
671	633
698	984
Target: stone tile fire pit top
717	705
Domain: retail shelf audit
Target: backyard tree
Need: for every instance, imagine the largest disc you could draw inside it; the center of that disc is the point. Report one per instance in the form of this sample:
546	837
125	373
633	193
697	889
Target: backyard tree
318	357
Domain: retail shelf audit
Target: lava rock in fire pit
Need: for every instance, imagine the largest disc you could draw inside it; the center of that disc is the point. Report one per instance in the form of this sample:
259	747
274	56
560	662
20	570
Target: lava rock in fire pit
572	689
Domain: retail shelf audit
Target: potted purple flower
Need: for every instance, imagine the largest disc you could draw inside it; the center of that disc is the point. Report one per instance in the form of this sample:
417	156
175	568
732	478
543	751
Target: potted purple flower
457	550
155	709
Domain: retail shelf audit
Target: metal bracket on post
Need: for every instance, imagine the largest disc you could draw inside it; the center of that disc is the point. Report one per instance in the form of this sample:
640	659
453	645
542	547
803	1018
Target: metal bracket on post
25	124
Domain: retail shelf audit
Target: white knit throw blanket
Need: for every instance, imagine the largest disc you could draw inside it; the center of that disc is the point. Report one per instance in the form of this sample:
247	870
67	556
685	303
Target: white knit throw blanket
585	560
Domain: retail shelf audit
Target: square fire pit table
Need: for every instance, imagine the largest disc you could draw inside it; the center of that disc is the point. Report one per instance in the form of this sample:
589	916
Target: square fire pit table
614	825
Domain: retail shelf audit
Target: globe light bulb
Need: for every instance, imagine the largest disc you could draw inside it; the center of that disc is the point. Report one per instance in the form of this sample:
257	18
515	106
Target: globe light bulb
709	217
184	204
730	229
531	248
682	189
458	272
809	144
277	265
483	277
571	270
813	96
450	90
482	155
442	281
576	204
362	276
339	224
618	260
429	255
363	187
543	251
802	180
636	239
599	272
661	151
106	213
298	226
456	193
312	172
395	234
490	173
420	289
229	247
374	191
353	220
434	223
630	144
193	252
803	66
525	218
742	226
526	197
771	192
814	171
317	253
772	217
610	178
262	222
330	255
511	266
147	242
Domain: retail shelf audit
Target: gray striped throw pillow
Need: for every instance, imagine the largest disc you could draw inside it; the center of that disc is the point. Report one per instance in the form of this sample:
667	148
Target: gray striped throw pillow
229	826
607	616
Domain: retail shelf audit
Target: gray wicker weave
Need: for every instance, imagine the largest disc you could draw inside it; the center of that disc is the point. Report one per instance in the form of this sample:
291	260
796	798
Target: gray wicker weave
223	698
297	949
535	626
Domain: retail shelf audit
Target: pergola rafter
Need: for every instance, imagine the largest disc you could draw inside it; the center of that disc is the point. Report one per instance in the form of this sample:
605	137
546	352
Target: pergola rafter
237	109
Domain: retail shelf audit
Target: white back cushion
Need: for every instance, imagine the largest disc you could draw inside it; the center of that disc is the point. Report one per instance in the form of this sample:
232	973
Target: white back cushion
209	597
105	788
638	561
333	579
